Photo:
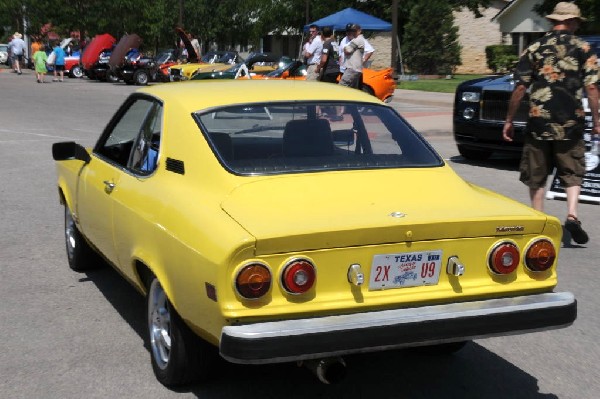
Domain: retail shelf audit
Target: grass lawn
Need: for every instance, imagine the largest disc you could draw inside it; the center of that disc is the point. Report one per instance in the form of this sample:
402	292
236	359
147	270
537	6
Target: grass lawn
438	85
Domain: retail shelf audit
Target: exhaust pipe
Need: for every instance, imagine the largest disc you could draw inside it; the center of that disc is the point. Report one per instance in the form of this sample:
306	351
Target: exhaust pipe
329	370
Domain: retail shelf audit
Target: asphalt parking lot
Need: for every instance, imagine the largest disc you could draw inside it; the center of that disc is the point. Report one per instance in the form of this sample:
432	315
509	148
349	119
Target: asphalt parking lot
70	335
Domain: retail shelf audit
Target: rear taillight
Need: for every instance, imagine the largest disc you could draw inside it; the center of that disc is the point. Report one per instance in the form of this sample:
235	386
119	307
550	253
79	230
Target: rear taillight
540	255
253	281
298	276
504	258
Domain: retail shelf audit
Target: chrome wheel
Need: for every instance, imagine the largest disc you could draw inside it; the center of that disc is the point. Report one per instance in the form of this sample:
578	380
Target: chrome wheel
141	78
77	72
159	323
71	235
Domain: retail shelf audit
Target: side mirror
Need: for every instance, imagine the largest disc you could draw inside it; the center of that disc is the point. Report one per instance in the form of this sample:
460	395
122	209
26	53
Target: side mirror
70	150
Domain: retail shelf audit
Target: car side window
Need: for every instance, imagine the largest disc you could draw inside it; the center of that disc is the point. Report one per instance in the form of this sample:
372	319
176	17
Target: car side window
144	155
119	142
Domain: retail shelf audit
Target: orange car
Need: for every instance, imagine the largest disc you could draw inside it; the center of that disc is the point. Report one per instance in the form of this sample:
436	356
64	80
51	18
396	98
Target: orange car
376	82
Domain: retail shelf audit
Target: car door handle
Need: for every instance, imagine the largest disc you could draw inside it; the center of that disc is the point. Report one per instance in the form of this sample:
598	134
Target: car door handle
109	186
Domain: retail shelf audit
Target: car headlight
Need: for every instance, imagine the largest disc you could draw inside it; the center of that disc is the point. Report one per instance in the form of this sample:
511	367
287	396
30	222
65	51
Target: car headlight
470	96
468	113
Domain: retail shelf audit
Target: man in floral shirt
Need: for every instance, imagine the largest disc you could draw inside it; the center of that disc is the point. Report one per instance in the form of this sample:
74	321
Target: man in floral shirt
557	68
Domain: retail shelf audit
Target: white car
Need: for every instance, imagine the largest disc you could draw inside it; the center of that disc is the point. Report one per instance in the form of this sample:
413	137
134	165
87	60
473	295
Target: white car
4	53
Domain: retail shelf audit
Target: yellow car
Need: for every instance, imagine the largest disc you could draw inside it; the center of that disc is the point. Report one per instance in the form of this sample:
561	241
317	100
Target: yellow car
212	61
263	226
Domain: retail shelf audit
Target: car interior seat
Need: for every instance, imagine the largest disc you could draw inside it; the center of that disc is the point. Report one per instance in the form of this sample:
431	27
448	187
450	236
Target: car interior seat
307	137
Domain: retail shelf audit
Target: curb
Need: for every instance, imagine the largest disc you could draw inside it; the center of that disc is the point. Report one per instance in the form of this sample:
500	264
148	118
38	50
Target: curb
424	97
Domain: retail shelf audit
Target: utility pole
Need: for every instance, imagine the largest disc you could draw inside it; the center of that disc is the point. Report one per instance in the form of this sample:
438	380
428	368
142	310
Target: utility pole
180	19
394	37
307	11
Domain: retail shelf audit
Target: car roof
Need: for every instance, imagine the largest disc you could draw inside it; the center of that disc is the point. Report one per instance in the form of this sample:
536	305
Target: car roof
202	94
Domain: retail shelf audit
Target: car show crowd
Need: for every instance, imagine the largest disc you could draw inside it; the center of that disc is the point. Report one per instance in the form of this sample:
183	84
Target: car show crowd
324	58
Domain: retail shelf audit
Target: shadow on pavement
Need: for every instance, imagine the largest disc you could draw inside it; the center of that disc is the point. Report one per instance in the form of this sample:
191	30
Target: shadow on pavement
473	372
498	162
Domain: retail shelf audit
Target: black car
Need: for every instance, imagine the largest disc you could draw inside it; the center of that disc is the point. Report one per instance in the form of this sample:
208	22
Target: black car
480	107
101	69
139	69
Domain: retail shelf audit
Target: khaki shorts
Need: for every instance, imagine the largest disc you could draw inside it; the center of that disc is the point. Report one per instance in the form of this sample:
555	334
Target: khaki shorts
311	72
351	78
541	156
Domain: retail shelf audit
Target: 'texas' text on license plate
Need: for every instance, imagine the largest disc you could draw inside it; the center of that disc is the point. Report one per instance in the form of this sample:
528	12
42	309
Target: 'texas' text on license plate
408	269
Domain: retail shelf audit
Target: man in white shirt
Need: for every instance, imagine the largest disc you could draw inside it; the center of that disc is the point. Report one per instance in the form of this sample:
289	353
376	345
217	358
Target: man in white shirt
313	53
369	50
17	50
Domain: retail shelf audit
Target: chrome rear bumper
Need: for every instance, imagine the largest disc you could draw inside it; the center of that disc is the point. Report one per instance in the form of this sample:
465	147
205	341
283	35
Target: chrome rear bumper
290	340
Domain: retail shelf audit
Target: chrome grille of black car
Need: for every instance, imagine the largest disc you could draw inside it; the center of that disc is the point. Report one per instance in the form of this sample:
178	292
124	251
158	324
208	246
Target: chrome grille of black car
494	106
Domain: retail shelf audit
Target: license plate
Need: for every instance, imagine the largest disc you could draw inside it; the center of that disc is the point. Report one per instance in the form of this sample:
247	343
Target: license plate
407	269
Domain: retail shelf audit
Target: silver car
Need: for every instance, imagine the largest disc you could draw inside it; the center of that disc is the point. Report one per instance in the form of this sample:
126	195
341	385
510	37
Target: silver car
4	53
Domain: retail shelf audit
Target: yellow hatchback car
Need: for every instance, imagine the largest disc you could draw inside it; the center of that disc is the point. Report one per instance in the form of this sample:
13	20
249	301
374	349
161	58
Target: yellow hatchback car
279	221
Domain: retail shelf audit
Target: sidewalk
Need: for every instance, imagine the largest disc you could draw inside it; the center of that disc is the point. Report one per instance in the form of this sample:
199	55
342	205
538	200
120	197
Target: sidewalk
424	97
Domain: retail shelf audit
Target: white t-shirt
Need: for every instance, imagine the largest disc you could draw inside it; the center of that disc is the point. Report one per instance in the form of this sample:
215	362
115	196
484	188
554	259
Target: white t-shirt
315	48
344	43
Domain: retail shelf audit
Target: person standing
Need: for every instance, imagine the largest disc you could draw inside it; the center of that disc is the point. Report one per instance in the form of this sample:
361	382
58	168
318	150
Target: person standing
59	63
328	68
353	52
369	49
195	44
17	50
313	53
36	45
39	61
556	68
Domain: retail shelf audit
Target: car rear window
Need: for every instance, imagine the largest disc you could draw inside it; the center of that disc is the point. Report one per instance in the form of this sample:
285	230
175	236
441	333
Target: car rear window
309	137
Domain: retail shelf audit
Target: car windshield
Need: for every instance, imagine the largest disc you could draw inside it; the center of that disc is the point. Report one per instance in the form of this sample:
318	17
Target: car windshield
4	47
221	57
164	56
275	138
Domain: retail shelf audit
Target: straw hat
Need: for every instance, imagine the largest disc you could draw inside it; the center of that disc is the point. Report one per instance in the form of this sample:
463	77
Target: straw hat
564	11
18	35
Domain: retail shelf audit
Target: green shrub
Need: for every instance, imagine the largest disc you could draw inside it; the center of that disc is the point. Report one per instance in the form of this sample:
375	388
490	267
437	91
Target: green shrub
501	57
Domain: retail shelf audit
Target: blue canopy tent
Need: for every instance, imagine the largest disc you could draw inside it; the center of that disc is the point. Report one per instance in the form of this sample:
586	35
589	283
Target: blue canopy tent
338	21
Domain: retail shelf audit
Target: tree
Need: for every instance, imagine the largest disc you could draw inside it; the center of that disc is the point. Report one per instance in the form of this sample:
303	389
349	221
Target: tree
590	9
431	39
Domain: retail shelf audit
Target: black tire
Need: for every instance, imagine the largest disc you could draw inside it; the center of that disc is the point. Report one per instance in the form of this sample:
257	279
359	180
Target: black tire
474	154
111	77
76	72
178	355
367	89
140	78
80	255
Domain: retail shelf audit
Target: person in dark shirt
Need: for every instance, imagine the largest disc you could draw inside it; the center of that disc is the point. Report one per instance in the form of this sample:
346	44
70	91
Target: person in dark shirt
557	68
328	68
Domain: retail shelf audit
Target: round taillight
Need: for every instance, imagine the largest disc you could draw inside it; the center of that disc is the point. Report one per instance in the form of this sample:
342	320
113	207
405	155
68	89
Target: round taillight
298	276
540	255
253	281
504	258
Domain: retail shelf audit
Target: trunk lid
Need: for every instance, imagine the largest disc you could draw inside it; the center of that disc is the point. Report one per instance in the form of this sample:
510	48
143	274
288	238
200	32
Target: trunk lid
356	208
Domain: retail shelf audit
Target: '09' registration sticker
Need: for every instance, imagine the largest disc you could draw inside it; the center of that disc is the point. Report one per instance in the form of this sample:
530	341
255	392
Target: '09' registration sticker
408	269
